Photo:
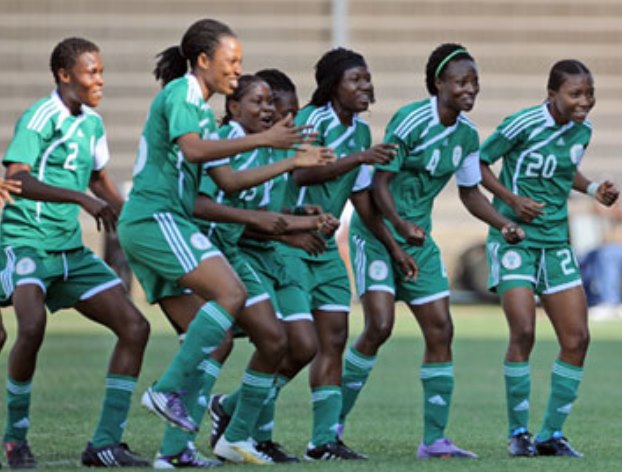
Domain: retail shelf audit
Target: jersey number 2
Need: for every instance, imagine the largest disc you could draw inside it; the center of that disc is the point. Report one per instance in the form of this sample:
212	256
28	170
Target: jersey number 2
70	160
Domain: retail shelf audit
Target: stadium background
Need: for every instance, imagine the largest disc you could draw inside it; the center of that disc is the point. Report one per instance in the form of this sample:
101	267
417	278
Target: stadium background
514	42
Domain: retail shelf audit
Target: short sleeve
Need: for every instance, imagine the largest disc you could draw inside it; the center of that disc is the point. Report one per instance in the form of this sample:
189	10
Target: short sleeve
497	145
468	174
363	179
183	116
26	145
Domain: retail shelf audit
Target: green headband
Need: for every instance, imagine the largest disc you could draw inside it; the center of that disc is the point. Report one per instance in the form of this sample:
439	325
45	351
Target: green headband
444	62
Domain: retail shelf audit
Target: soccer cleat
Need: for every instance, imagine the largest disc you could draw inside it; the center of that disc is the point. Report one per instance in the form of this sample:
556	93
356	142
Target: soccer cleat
332	451
360	455
169	406
521	445
115	455
189	457
275	452
240	451
19	455
220	419
443	448
556	446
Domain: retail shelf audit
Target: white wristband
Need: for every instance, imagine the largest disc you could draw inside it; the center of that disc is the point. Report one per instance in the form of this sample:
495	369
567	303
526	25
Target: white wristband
592	188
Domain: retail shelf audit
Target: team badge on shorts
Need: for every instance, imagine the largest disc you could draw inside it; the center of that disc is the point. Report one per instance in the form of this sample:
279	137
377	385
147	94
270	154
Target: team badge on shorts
576	153
200	241
25	266
511	260
378	270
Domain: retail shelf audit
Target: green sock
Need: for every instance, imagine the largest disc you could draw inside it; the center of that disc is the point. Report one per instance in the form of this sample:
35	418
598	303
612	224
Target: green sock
438	384
265	421
255	389
357	368
326	407
18	408
204	334
565	381
230	401
196	400
517	389
117	400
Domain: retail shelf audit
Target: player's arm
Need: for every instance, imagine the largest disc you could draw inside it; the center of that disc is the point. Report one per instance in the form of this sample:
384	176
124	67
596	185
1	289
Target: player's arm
372	218
34	189
231	181
103	187
281	136
604	192
263	221
383	198
379	154
525	208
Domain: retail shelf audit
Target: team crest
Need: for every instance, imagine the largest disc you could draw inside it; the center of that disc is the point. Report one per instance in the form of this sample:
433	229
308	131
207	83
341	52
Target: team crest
25	266
378	270
511	260
200	241
576	153
456	155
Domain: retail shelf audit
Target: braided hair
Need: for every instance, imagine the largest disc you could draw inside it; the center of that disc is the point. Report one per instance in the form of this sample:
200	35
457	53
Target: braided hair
66	54
202	36
438	61
562	69
329	71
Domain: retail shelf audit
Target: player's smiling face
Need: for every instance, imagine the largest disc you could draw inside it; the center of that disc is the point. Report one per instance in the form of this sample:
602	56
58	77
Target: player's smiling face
458	85
83	83
574	99
355	91
255	110
221	72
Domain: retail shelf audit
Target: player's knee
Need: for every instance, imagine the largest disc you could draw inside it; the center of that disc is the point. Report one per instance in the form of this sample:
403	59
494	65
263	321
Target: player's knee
378	332
301	352
31	333
232	298
523	338
577	343
136	328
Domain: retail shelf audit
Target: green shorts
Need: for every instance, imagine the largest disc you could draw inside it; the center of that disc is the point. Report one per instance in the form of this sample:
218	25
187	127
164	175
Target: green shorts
66	277
544	270
161	248
325	280
291	302
256	291
374	270
7	267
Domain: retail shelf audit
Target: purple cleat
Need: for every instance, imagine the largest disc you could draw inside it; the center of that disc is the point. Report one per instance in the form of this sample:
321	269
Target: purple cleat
169	406
443	449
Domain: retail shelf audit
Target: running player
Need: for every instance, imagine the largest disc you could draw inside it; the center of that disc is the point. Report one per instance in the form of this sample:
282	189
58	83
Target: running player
344	89
166	250
58	151
434	141
541	148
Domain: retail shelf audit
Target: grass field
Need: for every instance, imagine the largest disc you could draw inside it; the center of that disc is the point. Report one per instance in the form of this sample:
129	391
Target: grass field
386	423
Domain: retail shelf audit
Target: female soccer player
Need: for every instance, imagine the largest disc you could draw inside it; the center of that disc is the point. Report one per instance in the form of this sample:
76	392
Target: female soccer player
166	250
58	151
434	141
541	148
344	89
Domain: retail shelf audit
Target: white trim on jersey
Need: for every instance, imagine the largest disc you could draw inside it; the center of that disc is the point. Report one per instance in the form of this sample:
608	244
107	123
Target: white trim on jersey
194	94
100	288
429	298
469	173
101	154
257	299
517	125
363	179
415	118
45	112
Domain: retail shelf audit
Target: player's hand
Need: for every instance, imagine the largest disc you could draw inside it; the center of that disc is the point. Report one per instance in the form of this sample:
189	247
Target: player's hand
284	135
327	224
7	187
269	222
412	233
312	156
103	213
512	233
526	208
607	193
406	263
379	154
310	242
308	209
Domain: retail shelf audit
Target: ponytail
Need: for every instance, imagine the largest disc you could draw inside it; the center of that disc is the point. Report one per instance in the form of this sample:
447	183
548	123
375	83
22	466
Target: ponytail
171	65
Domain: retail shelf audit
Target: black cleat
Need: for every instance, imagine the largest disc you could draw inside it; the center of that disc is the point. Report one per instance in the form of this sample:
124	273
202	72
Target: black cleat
556	446
331	452
19	455
521	445
275	452
220	419
115	455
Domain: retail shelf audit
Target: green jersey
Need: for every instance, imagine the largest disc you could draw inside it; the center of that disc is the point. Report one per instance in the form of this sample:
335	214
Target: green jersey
261	197
331	195
428	154
540	160
61	150
163	179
